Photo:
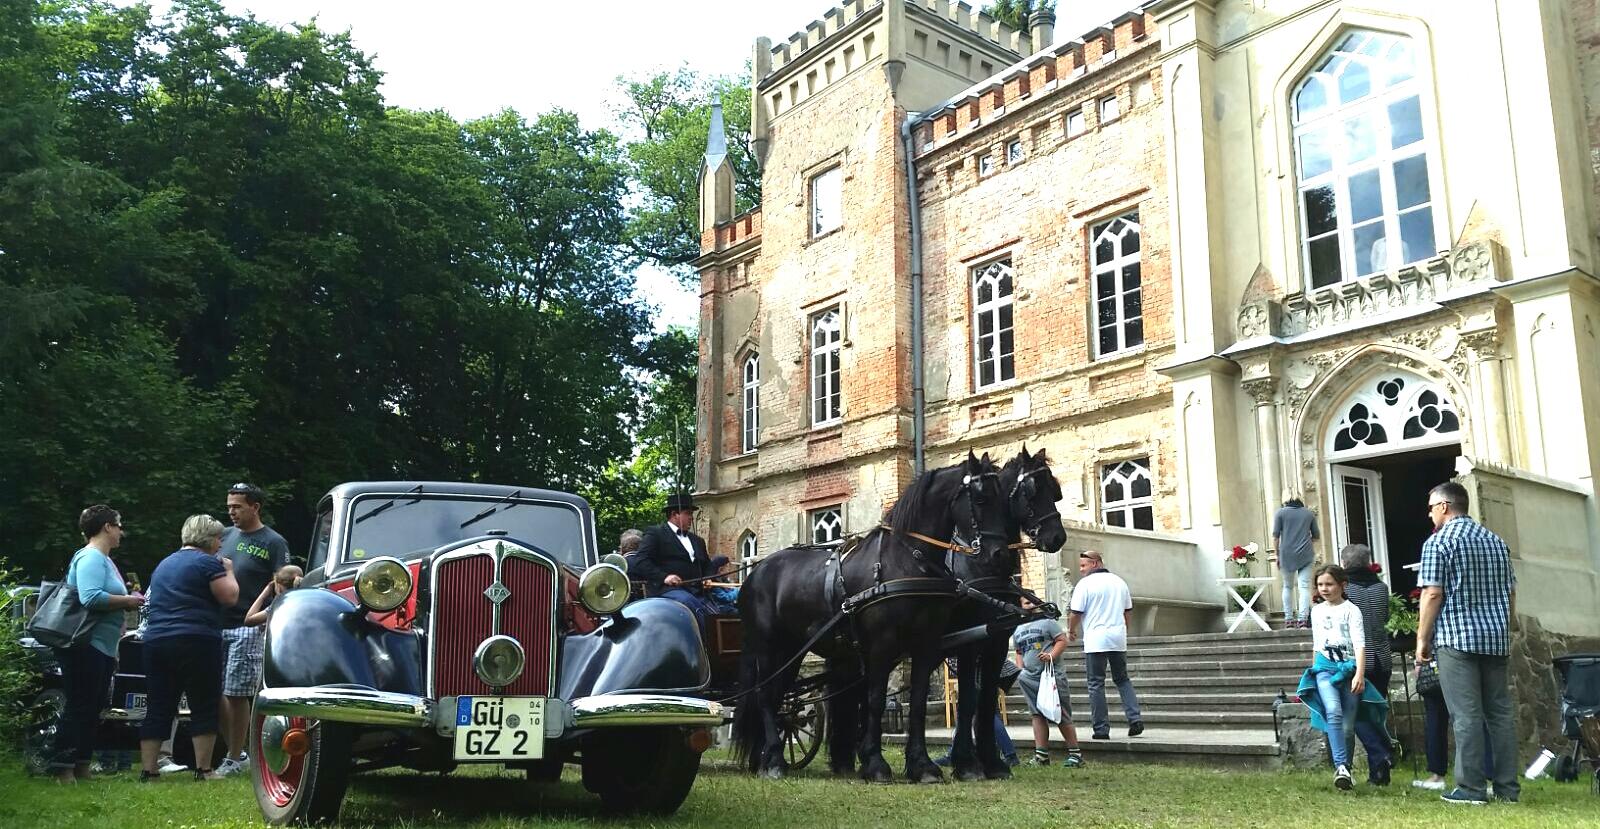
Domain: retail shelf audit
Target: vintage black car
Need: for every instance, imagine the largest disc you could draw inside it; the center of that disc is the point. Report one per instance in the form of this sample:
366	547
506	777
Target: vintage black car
450	623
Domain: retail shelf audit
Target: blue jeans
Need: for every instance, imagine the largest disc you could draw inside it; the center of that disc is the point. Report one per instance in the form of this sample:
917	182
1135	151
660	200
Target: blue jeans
1002	740
702	611
1338	707
1095	664
1301	577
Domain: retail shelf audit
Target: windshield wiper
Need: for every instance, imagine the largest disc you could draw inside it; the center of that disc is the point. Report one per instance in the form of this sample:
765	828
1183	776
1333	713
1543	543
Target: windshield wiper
389	503
491	509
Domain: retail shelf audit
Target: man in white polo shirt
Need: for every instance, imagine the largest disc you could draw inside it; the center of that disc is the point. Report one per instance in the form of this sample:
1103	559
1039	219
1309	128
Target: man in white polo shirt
1101	605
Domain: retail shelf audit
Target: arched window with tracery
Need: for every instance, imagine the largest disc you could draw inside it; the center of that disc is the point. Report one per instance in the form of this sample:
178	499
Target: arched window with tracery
1395	411
1362	156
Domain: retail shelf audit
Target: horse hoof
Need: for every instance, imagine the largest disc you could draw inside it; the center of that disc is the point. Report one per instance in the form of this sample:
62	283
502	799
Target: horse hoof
773	773
968	775
1001	773
877	774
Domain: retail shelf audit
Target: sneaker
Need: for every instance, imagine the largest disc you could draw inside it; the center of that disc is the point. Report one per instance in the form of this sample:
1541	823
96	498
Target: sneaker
167	766
1039	760
942	762
1135	729
226	768
1341	779
1430	785
1101	735
1510	800
1013	761
1459	796
208	774
149	776
1073	761
1379	775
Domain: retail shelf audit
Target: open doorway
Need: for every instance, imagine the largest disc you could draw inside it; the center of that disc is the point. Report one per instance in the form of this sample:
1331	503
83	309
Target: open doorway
1382	501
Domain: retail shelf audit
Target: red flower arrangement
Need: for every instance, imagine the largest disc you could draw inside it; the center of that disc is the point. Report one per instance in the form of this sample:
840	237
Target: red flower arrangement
1376	568
1241	556
1416	594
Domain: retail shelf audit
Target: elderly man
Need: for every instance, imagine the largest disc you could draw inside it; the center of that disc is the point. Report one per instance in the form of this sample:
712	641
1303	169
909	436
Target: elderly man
1101	606
1371	596
1468	596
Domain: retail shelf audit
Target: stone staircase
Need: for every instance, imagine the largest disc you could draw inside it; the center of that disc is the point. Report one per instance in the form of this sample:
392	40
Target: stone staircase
1204	698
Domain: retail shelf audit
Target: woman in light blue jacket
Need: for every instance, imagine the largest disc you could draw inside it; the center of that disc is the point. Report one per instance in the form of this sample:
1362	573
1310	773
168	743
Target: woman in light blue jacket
87	667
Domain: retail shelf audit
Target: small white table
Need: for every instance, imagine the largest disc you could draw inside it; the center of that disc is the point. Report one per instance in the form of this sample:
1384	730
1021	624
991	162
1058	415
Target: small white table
1247	607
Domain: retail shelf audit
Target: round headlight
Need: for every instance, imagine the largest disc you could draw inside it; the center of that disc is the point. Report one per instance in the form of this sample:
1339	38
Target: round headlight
383	584
498	661
616	560
603	588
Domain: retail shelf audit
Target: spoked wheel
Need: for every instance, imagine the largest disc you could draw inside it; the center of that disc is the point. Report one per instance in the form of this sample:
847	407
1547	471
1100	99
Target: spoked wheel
804	725
44	724
300	768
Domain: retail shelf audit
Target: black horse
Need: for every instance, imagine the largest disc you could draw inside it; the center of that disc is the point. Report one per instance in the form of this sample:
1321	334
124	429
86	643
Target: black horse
795	594
1031	496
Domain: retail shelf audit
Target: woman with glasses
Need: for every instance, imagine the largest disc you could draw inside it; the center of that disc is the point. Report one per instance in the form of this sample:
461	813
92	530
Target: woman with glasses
87	667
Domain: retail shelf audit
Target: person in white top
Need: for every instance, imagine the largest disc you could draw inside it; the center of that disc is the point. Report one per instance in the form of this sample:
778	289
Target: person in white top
1339	653
1101	606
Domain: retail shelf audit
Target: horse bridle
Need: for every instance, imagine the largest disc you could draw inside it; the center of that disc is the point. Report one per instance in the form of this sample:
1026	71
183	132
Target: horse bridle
1032	523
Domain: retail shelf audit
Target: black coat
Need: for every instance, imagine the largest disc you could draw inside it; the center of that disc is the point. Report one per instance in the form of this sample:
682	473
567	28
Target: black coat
660	554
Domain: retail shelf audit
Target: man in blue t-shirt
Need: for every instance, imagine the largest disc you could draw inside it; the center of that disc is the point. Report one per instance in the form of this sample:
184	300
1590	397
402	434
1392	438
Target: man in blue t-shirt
256	552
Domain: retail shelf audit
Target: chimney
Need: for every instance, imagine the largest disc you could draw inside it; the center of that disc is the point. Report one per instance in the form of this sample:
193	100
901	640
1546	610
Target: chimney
1042	28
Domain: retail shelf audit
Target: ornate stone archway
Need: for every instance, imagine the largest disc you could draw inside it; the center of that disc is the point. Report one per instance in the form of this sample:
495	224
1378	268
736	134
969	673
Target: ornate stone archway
1358	385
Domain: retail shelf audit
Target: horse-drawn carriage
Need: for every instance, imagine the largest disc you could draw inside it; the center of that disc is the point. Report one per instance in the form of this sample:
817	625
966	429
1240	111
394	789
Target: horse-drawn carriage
936	579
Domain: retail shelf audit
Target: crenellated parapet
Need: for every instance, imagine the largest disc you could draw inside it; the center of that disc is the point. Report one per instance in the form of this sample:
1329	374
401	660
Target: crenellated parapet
1064	64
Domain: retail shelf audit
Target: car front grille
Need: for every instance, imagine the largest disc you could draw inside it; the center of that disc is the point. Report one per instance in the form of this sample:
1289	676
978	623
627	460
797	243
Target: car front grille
464	616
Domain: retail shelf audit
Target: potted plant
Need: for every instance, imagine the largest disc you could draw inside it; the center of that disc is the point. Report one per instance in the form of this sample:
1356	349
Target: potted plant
1402	624
1241	557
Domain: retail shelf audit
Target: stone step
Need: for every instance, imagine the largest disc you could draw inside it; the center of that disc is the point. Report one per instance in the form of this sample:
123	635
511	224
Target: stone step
1202	667
1255	748
1254	636
1268	649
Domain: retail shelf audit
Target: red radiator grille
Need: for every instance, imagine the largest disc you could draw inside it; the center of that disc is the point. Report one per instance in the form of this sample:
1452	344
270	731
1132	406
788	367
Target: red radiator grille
464	616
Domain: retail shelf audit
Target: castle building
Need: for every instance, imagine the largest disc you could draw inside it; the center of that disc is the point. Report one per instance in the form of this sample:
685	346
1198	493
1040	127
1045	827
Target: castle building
1207	253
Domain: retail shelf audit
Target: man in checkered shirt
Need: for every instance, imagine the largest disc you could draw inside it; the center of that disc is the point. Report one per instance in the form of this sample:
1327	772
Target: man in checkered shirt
1468	594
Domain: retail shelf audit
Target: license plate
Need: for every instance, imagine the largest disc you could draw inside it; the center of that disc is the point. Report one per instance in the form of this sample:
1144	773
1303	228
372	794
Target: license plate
137	702
499	728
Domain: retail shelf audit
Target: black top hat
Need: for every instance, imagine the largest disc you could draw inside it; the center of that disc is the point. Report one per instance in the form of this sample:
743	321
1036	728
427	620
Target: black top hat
680	501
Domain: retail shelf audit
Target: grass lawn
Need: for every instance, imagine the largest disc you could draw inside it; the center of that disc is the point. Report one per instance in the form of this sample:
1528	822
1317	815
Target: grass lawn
1105	794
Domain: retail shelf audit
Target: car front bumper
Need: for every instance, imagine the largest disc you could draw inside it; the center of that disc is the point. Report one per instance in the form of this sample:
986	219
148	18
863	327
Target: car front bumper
363	706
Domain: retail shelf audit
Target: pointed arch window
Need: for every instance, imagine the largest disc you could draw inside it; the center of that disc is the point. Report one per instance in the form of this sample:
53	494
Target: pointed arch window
1396	411
747	551
751	403
1363	152
827	525
827	341
993	340
1118	290
1126	496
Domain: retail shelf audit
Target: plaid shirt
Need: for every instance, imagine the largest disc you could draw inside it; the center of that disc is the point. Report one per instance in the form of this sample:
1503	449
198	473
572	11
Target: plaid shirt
1473	566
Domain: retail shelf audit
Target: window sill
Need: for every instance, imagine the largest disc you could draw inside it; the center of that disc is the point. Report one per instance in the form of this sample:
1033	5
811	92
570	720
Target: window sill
1116	361
829	429
811	240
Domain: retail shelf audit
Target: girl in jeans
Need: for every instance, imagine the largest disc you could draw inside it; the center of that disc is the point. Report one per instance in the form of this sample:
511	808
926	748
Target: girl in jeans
1332	688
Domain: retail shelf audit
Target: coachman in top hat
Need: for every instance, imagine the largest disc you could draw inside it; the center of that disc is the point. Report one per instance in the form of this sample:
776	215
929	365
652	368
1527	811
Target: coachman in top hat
671	555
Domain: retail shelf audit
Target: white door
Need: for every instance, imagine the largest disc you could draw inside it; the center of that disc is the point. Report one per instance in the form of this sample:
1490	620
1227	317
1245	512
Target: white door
1358	512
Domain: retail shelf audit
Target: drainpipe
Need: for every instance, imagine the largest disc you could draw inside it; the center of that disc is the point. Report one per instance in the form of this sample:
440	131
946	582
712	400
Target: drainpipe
918	393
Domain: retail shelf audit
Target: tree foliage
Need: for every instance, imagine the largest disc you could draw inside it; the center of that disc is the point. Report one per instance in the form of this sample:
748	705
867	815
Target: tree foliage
672	113
1014	13
223	257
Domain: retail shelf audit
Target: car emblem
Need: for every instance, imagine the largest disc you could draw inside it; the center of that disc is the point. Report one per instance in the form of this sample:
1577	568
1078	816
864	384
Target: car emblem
497	592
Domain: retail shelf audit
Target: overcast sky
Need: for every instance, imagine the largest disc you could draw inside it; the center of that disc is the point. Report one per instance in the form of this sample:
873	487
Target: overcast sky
475	57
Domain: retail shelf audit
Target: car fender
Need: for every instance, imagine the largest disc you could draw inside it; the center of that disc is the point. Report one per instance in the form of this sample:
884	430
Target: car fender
650	645
317	637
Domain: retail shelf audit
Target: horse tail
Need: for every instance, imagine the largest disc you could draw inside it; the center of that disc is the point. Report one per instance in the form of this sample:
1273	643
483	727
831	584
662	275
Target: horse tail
749	730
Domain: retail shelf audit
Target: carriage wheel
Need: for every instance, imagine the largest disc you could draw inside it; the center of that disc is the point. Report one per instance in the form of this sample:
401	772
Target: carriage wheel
803	728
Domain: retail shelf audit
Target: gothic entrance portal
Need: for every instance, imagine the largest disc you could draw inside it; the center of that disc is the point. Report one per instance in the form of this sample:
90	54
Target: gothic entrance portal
1395	437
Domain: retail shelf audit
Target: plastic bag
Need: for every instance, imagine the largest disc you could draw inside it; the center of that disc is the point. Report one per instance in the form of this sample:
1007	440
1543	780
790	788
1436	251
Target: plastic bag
1049	701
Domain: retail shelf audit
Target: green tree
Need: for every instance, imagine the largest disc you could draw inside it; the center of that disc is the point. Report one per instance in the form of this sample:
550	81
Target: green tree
671	114
1014	13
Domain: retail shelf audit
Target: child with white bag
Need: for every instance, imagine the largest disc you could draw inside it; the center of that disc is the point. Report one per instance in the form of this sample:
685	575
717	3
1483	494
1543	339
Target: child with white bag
1038	644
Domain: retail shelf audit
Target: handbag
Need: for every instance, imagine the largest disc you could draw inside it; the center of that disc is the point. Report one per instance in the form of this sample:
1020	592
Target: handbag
61	620
1427	677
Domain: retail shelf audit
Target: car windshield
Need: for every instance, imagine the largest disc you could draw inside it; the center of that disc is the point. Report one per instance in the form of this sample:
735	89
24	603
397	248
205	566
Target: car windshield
408	526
